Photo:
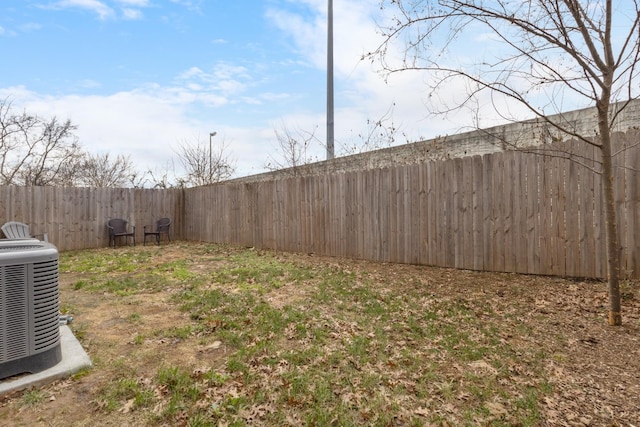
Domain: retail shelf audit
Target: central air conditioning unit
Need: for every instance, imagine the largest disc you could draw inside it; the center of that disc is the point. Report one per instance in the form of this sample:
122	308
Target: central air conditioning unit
29	307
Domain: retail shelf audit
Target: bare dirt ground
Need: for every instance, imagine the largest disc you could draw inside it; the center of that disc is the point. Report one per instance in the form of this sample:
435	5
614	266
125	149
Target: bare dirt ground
594	368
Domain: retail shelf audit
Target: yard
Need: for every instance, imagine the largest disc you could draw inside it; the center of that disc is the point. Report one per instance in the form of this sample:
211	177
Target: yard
193	334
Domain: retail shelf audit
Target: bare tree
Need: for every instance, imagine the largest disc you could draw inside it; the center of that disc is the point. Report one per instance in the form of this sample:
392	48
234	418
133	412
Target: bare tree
103	170
34	151
162	177
138	179
204	164
293	149
378	134
550	50
294	145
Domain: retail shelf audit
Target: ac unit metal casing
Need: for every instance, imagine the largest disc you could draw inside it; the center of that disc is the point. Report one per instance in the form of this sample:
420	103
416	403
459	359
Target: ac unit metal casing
29	307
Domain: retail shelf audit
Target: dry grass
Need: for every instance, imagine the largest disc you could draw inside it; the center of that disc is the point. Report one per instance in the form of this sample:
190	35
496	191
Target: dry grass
198	334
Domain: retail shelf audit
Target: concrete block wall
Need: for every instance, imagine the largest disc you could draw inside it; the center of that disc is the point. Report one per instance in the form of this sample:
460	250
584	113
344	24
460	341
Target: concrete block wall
477	142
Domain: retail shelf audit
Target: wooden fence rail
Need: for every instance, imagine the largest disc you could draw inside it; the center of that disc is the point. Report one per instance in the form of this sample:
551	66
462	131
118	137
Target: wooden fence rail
508	211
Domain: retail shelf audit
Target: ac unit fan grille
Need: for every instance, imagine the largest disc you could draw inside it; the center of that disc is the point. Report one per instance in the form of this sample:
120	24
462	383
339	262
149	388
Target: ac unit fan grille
45	304
15	312
29	309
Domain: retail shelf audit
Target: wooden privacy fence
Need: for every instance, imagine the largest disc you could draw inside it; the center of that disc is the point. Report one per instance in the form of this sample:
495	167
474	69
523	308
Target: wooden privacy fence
75	218
508	211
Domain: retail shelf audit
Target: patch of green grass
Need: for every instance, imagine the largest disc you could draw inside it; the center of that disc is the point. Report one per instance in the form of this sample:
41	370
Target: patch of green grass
200	420
33	398
120	286
67	309
83	372
527	405
101	260
175	379
237	365
215	378
125	271
260	273
180	332
359	348
183	390
317	343
126	391
79	330
134	318
177	269
80	284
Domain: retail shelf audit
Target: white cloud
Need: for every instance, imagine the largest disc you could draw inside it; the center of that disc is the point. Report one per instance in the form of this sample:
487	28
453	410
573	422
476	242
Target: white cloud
130	8
136	3
89	84
139	124
150	121
361	92
7	33
131	14
99	8
30	26
225	79
189	4
309	37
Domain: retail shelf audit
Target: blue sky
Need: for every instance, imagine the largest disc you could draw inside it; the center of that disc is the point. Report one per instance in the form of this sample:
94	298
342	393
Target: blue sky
140	77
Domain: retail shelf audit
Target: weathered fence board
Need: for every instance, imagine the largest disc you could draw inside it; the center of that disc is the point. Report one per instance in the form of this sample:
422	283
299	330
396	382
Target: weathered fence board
75	218
633	210
509	211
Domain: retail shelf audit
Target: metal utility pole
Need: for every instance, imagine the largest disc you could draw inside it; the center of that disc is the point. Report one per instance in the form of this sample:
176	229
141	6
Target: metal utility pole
330	122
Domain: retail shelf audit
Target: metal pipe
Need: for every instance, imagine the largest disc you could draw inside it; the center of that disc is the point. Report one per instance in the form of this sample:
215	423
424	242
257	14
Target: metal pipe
330	120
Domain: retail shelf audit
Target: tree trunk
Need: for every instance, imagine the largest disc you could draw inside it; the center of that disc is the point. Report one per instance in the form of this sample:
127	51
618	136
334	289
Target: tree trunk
613	254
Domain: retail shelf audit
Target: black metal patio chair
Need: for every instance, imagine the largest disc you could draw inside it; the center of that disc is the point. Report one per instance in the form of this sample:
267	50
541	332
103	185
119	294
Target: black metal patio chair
118	228
162	227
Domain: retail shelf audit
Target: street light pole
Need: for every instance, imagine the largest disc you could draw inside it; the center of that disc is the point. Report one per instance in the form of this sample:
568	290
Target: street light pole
211	135
330	121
